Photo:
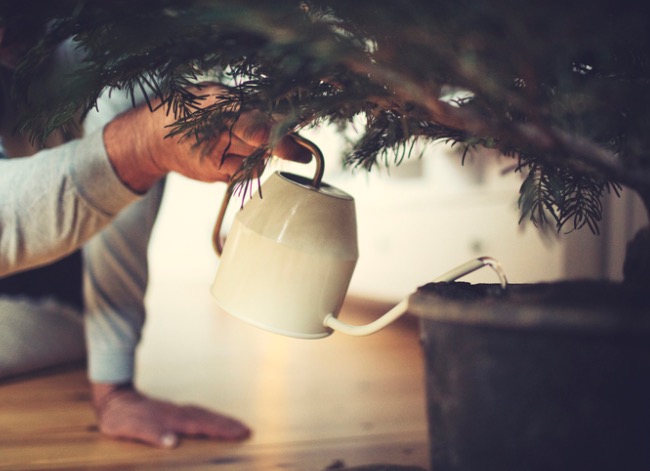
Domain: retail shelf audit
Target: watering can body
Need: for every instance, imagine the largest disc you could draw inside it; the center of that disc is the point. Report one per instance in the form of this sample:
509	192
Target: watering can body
289	257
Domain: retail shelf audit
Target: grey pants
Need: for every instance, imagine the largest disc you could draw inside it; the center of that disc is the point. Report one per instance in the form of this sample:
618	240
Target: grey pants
37	333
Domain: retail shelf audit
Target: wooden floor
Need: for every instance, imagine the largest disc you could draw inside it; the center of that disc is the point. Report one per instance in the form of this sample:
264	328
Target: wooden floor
329	403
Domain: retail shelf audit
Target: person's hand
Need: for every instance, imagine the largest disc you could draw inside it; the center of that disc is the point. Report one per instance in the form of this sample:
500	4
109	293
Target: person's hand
140	153
124	413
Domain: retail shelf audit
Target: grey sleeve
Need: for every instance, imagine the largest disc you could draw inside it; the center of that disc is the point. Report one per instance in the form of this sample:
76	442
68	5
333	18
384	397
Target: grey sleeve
53	202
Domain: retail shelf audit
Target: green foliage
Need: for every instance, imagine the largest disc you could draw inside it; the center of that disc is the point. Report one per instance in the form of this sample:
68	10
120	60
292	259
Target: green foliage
561	86
568	198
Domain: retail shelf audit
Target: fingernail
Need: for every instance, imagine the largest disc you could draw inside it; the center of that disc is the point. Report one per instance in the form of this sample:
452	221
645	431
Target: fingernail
169	440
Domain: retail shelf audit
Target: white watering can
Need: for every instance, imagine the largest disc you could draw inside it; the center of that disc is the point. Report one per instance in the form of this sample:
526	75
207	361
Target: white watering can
289	257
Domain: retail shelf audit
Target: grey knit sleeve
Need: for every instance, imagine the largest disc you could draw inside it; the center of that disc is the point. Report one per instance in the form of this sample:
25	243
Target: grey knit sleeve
53	202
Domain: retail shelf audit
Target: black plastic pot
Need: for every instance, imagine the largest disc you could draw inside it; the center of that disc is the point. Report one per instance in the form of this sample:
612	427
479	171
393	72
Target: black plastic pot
544	377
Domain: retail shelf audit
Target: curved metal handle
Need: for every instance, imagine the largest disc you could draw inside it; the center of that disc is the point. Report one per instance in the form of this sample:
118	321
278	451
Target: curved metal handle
402	308
217	241
318	155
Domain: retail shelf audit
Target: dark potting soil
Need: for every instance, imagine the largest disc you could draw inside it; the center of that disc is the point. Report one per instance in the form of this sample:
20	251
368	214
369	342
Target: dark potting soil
582	293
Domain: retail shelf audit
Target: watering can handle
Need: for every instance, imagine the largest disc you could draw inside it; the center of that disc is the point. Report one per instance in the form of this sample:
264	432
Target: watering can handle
401	308
217	241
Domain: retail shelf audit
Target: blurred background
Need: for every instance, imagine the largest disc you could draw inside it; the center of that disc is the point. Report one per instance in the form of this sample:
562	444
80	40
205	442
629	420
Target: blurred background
415	221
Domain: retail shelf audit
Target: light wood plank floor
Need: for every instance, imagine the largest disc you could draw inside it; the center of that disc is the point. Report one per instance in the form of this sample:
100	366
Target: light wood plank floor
312	404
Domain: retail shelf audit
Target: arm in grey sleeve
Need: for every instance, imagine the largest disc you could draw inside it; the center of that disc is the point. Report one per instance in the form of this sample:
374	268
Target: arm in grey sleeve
115	282
54	201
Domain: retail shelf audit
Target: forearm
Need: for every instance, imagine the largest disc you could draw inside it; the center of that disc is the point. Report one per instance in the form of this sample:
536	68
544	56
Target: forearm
115	283
55	201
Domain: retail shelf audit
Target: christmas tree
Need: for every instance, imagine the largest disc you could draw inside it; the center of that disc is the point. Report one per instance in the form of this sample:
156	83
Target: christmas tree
561	87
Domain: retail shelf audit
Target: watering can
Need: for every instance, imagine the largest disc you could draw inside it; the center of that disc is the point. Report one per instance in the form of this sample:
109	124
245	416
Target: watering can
288	259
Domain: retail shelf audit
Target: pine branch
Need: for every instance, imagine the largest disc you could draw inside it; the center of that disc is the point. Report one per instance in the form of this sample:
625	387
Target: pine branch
563	86
571	200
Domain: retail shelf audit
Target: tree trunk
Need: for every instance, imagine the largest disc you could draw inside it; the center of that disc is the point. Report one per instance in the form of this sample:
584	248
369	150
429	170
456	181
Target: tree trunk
636	267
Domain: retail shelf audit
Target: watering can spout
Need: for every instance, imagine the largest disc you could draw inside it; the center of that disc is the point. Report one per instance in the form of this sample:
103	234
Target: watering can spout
367	329
402	307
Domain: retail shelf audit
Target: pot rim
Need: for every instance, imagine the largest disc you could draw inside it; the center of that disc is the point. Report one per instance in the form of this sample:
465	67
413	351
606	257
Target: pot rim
512	310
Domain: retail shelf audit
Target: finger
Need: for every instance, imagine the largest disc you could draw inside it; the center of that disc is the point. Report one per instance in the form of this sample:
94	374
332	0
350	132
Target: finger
234	145
254	128
156	438
289	149
141	429
227	157
168	440
232	156
197	421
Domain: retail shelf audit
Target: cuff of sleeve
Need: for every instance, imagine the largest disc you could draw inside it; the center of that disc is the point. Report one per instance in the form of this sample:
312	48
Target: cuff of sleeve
114	367
95	178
